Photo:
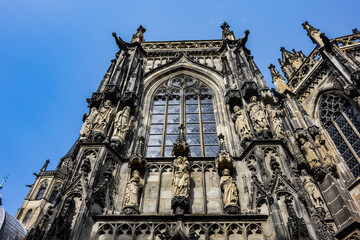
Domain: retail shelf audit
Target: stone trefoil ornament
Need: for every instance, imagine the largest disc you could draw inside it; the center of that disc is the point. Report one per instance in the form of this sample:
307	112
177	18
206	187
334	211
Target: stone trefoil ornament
132	193
122	125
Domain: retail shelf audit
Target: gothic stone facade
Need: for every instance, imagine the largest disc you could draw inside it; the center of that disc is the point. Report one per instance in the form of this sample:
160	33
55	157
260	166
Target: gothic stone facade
185	140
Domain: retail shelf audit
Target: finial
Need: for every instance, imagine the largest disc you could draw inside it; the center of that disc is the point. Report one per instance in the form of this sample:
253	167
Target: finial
45	166
355	31
2	183
277	79
282	49
139	35
226	33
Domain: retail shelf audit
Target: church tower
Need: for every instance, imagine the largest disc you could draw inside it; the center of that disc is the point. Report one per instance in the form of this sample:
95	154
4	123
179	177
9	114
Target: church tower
185	140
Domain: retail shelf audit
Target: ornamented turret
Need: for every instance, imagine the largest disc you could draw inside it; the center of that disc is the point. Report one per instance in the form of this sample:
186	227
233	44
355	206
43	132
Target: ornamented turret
226	33
290	62
139	35
277	79
316	36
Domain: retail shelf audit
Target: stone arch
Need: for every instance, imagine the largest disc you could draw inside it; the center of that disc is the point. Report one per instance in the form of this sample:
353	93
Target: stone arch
254	232
209	77
235	231
124	232
216	232
105	232
142	232
198	230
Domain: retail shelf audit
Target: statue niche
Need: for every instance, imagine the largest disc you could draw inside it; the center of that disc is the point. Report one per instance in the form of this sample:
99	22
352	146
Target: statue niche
312	190
132	193
230	193
242	125
181	185
122	124
313	161
88	123
324	152
258	118
101	122
275	116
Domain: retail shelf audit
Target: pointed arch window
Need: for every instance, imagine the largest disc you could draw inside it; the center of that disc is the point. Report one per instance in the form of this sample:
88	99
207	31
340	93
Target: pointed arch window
27	216
41	191
342	122
183	100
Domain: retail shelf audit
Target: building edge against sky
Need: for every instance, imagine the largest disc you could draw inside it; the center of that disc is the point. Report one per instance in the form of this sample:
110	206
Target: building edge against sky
190	128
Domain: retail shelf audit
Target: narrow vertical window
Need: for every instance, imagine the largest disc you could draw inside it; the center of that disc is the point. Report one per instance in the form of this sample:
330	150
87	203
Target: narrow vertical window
342	122
183	100
27	216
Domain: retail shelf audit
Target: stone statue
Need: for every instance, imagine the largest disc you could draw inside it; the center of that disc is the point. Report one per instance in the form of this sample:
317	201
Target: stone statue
102	118
312	190
122	124
275	116
324	151
228	186
310	155
258	115
88	123
242	125
181	177
133	187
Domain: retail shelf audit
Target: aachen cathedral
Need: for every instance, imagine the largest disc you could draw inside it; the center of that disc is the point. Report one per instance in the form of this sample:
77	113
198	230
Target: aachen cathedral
185	140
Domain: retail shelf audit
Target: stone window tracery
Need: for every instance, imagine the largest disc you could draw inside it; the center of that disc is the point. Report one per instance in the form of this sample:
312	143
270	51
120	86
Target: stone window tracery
27	216
182	100
342	122
41	191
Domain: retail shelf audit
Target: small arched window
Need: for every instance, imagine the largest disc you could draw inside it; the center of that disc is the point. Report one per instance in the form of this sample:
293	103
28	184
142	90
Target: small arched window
183	100
342	122
27	216
40	193
53	196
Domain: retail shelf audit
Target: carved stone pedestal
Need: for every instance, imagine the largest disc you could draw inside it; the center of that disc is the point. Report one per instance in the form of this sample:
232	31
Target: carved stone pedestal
180	204
97	137
130	210
232	209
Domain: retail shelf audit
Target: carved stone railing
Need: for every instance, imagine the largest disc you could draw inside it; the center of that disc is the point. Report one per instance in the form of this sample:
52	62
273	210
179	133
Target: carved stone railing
314	57
208	44
304	69
348	40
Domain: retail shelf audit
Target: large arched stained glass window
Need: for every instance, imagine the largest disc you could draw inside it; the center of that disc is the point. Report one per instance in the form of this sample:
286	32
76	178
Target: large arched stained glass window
182	100
342	122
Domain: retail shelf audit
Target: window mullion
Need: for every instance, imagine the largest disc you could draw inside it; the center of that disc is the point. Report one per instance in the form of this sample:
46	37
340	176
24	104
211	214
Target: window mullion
201	129
164	131
351	124
346	141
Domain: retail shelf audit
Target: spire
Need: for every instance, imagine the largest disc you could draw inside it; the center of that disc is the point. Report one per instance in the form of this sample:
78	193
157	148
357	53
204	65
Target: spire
291	61
278	80
316	36
139	35
226	33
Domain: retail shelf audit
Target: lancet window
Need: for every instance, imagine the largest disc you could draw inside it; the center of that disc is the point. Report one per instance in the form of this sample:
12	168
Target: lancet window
342	122
183	100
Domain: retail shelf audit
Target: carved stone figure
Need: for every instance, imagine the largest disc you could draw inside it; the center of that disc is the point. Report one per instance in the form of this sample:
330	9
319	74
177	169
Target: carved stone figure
276	115
310	155
88	123
242	125
228	186
258	116
324	151
181	177
122	124
133	187
312	190
102	119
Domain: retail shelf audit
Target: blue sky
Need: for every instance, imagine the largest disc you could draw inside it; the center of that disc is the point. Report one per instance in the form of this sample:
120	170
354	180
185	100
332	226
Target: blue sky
54	53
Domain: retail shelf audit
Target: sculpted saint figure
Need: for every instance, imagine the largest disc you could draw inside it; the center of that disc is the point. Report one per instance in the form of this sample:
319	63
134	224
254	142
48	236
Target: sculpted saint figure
181	177
310	155
122	123
241	122
312	190
133	187
88	123
275	116
324	151
257	115
228	186
102	119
